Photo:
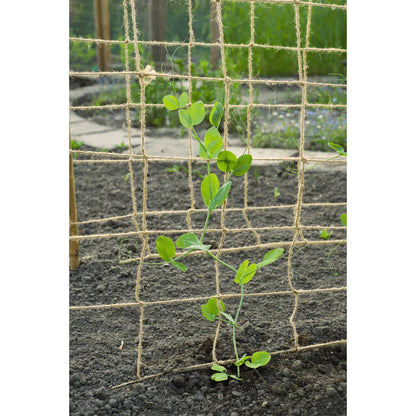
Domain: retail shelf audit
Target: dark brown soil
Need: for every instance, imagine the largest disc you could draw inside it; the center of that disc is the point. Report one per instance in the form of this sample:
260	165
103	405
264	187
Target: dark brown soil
104	342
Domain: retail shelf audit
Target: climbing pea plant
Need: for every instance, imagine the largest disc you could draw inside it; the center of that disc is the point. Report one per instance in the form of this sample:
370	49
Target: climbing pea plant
214	195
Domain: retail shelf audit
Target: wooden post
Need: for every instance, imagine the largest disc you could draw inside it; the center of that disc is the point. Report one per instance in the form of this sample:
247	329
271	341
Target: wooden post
157	30
215	34
102	28
73	229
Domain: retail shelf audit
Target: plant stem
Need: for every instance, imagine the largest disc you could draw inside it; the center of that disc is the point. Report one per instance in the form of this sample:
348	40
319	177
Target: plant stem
236	352
198	139
234	326
222	262
209	212
205	227
184	254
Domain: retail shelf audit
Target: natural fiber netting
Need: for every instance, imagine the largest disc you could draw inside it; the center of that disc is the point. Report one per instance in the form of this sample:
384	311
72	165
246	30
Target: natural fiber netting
239	228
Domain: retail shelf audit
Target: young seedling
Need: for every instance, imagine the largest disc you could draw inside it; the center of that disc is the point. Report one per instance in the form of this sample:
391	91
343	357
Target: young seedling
76	145
276	192
214	195
324	234
121	147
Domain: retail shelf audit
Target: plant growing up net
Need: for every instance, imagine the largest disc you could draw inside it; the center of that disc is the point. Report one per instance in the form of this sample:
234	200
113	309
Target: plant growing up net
214	195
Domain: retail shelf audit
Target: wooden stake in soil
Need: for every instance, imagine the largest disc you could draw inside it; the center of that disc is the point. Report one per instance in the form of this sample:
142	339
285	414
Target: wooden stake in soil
102	28
73	228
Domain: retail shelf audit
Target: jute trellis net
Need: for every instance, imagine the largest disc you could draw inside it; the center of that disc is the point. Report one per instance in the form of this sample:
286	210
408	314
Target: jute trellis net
144	75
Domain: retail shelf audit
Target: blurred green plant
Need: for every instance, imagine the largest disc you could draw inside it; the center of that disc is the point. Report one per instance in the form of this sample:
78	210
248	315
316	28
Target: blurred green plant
76	145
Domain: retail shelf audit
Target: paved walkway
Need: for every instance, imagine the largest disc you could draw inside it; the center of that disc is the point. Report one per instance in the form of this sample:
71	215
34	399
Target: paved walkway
158	143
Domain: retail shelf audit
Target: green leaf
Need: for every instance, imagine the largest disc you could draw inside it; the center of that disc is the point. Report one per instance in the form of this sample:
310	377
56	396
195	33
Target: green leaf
213	143
258	359
186	240
324	234
165	248
243	165
344	219
339	149
245	272
191	241
197	113
170	102
234	377
226	161
219	377
217	367
220	196
271	256
228	317
216	114
183	100
209	188
210	309
241	361
179	265
185	118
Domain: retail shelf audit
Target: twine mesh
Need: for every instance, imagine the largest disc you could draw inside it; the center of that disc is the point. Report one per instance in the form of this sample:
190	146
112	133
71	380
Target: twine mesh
139	217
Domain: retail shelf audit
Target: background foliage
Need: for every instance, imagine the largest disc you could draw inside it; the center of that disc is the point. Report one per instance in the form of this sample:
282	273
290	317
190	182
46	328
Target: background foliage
274	25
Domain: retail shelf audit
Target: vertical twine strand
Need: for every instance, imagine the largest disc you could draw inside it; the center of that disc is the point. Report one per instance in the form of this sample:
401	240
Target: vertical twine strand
250	106
128	120
226	122
190	181
302	70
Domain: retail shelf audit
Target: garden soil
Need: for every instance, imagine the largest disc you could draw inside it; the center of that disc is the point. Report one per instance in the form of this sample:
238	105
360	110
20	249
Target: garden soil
104	341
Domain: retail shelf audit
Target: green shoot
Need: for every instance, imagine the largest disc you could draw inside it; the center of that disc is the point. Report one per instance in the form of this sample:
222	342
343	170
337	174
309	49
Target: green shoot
276	192
214	195
324	234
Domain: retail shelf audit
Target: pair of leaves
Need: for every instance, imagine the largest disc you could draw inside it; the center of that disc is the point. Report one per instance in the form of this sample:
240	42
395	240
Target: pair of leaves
339	149
166	250
172	103
325	234
221	374
192	116
227	162
246	272
210	309
213	144
212	194
258	359
344	219
191	242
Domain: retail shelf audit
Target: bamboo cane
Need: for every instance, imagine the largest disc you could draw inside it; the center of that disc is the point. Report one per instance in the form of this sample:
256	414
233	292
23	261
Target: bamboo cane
73	228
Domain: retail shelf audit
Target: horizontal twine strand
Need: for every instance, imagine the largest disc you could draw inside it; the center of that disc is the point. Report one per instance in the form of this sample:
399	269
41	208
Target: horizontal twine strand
201	210
231	106
225	362
210	230
139	158
251	248
266	81
206	44
203	298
